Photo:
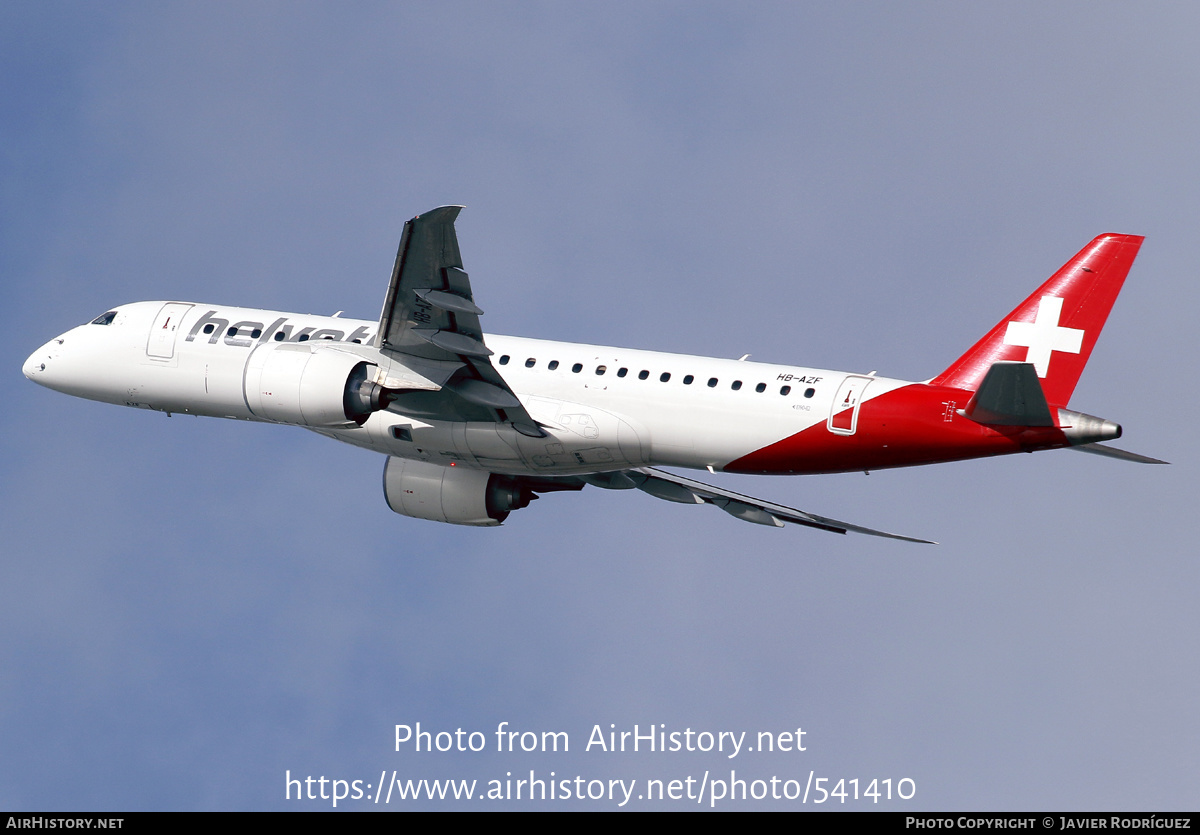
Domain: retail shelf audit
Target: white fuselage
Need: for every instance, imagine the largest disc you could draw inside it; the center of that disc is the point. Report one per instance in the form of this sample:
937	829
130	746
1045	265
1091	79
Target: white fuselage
603	408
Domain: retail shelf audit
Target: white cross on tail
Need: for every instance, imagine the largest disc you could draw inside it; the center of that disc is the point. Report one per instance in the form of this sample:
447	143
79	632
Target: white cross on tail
1043	335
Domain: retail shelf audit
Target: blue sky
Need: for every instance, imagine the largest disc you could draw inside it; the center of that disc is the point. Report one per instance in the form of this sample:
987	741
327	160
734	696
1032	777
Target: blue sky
189	608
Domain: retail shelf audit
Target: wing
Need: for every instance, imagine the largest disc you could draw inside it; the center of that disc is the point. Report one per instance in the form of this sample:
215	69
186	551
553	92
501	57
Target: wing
676	488
430	326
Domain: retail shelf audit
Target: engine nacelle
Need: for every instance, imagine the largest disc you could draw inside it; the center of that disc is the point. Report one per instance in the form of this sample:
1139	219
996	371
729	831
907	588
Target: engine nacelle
458	495
311	385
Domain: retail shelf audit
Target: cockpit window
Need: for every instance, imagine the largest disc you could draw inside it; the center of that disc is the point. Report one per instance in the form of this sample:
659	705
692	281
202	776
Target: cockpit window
105	319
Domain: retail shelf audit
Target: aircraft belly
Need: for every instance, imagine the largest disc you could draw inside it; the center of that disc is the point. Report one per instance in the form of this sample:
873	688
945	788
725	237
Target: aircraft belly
180	387
579	439
209	385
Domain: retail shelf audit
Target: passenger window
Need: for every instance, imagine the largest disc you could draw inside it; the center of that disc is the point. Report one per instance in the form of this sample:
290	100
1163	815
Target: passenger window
302	337
760	388
600	369
737	384
504	359
666	375
530	363
279	337
256	333
621	372
232	331
553	365
712	382
809	392
642	375
577	367
687	381
785	390
210	327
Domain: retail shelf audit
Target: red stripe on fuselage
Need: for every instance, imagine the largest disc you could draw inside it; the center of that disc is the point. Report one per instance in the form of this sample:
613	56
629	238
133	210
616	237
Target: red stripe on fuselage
916	424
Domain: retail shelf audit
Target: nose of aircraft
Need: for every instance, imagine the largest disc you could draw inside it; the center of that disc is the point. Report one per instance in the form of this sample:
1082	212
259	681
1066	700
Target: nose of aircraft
87	361
41	359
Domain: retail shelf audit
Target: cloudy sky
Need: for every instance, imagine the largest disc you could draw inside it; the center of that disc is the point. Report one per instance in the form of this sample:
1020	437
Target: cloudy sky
192	608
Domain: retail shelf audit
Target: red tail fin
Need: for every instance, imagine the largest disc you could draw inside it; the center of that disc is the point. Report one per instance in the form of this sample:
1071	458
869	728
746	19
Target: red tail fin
1056	327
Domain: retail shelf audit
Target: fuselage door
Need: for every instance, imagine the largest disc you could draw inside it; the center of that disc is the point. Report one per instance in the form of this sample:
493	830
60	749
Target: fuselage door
161	343
843	414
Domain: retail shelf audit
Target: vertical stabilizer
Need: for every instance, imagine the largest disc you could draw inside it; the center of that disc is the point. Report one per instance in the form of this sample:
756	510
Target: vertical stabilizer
1056	328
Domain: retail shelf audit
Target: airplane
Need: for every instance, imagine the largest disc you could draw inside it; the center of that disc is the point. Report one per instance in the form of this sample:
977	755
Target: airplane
475	427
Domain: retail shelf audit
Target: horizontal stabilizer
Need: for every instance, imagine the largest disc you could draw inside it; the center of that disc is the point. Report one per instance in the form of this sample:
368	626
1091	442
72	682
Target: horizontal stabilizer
1113	452
1010	395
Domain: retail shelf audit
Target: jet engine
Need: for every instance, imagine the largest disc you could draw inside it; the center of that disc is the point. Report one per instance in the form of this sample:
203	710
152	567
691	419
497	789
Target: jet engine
458	495
311	385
